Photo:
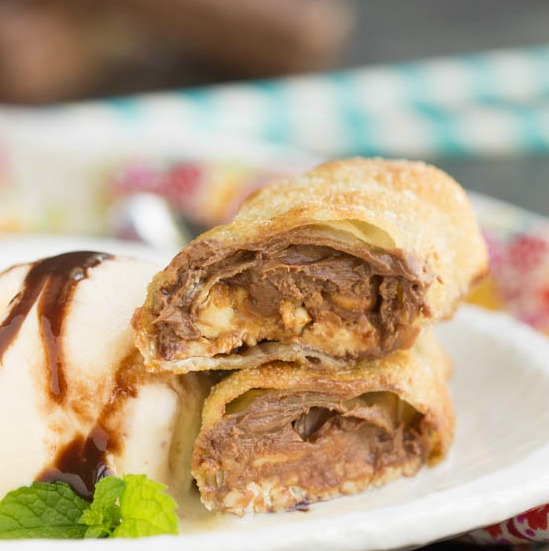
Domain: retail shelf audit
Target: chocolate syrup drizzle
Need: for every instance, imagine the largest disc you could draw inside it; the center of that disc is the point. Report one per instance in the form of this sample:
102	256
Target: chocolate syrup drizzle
50	283
83	461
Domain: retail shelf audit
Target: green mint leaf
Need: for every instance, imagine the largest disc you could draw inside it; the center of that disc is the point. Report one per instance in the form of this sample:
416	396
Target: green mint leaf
146	509
42	510
131	507
107	491
100	522
103	516
97	531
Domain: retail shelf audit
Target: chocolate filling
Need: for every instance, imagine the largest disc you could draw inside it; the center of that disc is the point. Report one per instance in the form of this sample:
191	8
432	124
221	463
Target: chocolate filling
304	447
349	304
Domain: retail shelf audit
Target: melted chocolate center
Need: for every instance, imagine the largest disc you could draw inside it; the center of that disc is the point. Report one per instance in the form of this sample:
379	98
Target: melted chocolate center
50	283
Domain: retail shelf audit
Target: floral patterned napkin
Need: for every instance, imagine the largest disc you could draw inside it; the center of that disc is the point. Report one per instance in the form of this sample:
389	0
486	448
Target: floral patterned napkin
518	242
518	283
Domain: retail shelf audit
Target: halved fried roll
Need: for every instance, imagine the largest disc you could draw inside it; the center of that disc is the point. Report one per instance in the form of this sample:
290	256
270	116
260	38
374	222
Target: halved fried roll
346	263
280	436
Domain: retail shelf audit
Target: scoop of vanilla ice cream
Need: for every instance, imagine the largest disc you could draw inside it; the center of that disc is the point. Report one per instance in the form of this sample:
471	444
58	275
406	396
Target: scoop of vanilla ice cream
75	401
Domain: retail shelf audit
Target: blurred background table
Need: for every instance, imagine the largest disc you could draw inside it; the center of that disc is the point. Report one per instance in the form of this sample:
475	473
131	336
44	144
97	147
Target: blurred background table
55	50
397	30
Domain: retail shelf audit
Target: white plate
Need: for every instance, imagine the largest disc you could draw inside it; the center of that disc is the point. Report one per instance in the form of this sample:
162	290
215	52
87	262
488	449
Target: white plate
497	467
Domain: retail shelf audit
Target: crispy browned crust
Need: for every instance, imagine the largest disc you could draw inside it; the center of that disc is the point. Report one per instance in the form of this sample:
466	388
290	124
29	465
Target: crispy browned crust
417	376
407	208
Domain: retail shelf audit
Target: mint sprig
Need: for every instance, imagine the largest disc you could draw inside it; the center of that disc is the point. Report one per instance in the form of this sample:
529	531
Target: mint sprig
145	509
128	507
103	515
42	510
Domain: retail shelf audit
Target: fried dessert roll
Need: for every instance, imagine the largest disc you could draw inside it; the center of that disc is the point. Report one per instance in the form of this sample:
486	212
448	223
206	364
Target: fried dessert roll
348	262
75	400
280	436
